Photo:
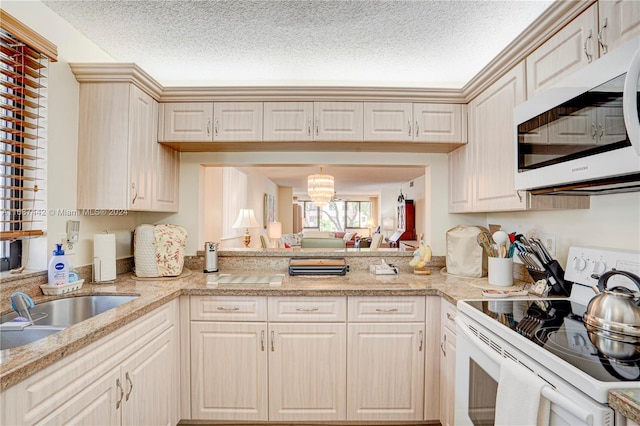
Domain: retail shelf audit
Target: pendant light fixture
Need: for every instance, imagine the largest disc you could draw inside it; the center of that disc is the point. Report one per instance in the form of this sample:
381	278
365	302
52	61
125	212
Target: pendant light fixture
320	188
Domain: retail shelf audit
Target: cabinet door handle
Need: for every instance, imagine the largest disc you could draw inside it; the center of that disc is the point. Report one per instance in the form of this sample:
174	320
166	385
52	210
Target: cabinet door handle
272	345
228	308
594	130
601	130
584	47
135	193
307	309
208	127
262	340
317	127
603	45
130	385
442	345
215	127
409	123
309	127
421	341
417	129
119	386
451	317
387	310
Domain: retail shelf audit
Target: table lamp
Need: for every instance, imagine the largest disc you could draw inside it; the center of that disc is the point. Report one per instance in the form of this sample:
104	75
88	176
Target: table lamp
246	219
274	231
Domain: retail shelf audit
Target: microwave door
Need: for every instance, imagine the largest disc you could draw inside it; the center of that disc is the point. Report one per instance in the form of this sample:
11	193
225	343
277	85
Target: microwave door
630	101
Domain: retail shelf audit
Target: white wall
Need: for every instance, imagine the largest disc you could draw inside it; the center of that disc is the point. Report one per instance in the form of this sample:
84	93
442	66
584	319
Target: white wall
63	170
613	221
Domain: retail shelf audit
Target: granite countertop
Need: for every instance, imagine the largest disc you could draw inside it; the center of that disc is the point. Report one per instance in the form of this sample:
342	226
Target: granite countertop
627	402
19	363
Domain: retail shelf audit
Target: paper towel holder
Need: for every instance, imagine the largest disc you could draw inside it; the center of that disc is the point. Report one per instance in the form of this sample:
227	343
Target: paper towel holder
93	272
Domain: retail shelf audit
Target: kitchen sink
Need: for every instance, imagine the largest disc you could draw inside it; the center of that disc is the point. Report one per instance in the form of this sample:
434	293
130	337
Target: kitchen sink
13	338
71	310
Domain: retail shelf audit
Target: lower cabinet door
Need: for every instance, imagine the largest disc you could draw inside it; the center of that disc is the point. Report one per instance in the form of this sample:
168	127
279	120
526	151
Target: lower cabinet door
307	372
97	404
229	371
447	377
385	372
150	383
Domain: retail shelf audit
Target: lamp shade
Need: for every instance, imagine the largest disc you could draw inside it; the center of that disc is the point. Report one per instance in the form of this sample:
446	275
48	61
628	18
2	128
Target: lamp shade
274	230
246	219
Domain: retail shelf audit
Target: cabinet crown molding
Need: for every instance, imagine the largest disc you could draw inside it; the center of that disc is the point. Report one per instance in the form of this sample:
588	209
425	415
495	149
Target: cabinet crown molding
116	72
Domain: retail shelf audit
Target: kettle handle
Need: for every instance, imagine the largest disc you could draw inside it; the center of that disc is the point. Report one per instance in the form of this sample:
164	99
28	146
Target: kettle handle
602	282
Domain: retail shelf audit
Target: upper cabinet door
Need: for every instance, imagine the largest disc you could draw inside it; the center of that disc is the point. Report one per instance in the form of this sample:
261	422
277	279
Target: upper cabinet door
186	122
493	144
237	121
142	140
440	122
338	121
288	121
386	121
619	22
568	50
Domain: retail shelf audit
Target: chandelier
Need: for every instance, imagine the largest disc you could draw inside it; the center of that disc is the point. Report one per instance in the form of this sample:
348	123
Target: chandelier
320	188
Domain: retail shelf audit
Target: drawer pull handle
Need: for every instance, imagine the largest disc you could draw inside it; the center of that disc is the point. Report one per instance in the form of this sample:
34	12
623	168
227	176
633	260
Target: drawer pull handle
443	344
421	341
306	309
387	310
262	340
228	309
451	317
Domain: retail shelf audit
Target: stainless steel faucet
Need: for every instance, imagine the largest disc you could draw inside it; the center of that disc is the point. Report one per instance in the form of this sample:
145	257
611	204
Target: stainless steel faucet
22	303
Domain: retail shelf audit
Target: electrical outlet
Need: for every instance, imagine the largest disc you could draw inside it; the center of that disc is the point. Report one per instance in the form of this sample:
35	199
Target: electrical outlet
69	249
549	241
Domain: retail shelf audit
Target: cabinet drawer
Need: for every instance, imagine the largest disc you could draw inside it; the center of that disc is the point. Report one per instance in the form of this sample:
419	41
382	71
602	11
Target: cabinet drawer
300	309
448	313
228	308
372	309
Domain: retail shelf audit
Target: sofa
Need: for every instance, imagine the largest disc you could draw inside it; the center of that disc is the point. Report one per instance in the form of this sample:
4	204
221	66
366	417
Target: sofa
295	240
313	242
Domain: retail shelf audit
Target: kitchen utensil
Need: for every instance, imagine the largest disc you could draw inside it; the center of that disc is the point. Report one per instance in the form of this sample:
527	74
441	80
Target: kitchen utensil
501	238
210	257
486	242
615	310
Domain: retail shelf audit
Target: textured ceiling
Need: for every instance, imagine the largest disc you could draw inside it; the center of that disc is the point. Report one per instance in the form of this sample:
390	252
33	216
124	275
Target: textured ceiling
312	42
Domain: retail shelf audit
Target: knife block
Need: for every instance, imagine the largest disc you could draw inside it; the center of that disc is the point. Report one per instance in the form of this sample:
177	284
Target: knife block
554	274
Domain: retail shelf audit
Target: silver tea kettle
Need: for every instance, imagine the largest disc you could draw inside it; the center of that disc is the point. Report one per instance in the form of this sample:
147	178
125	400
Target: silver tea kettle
615	310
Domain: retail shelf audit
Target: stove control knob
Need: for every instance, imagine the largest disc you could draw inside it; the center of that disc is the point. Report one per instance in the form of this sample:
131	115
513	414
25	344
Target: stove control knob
599	267
579	264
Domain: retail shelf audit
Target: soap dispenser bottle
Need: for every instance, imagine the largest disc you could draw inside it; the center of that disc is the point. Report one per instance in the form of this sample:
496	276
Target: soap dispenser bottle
58	267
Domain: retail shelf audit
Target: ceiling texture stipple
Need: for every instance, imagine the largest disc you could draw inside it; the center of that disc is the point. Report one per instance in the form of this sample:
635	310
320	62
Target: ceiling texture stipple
353	43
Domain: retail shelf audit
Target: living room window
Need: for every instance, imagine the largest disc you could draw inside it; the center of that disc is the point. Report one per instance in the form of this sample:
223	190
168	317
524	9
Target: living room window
336	216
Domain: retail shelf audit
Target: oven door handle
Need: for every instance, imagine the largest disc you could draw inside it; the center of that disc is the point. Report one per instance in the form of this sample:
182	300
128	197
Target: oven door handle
547	391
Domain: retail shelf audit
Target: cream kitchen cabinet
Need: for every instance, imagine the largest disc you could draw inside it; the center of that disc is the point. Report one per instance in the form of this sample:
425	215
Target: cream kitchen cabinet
307	358
619	21
420	122
130	377
338	121
228	362
461	178
571	48
288	121
210	122
492	141
125	167
447	363
385	359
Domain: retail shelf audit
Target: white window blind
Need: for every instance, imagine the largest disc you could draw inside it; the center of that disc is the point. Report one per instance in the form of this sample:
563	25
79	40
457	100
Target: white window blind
23	76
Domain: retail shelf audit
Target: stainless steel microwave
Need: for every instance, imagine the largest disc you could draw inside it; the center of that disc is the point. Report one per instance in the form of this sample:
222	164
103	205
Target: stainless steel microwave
583	134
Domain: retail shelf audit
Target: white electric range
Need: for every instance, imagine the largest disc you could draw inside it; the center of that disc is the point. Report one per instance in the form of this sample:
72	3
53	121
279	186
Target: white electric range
548	337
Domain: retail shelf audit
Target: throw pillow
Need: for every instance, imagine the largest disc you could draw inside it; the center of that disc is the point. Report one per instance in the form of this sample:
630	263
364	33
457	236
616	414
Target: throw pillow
339	235
348	235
